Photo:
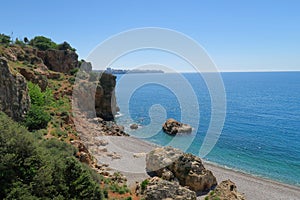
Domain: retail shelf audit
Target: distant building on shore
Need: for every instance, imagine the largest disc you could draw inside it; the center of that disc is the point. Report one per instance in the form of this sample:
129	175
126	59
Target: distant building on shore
133	71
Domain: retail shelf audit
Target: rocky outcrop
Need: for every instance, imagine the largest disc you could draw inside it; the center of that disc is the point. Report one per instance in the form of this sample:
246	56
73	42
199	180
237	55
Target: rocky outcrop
105	99
14	98
98	96
172	127
173	165
59	60
35	77
27	55
226	190
134	126
162	189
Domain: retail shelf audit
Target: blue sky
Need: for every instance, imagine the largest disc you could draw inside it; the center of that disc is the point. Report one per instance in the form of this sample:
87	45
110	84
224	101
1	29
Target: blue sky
238	35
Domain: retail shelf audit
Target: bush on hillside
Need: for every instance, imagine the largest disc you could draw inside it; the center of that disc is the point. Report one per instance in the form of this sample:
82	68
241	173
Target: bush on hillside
5	39
37	116
32	168
42	43
65	46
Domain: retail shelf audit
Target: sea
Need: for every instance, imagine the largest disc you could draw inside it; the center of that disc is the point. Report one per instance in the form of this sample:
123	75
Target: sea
260	120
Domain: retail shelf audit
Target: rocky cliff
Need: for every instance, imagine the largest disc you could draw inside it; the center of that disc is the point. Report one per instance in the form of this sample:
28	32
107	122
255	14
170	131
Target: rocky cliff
105	99
14	98
59	60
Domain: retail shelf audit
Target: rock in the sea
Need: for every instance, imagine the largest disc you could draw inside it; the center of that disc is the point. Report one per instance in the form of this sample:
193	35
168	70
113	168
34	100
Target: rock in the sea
134	126
226	190
175	165
172	127
161	189
14	97
105	99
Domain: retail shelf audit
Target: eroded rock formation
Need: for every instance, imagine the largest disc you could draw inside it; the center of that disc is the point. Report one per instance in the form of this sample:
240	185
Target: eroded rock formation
173	165
59	60
226	190
14	98
172	127
162	189
105	99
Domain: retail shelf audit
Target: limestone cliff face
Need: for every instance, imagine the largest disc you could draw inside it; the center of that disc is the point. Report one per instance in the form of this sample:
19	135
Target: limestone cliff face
95	98
14	97
105	99
59	60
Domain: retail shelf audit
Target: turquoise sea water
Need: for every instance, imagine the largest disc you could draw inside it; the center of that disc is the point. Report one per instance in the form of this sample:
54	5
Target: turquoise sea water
261	133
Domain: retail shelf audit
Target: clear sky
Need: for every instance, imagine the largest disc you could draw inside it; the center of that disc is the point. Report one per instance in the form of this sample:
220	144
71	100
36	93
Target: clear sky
256	35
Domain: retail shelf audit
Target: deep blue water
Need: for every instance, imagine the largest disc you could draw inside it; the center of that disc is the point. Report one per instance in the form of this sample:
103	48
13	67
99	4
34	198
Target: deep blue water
261	133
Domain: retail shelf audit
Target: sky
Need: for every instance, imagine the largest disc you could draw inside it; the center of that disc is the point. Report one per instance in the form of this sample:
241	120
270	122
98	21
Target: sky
256	35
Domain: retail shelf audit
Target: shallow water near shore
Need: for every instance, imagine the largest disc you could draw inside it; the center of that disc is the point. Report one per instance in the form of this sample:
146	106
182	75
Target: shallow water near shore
262	126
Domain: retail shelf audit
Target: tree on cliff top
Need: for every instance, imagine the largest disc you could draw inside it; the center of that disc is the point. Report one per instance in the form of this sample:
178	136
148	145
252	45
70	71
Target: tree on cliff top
65	46
4	39
42	43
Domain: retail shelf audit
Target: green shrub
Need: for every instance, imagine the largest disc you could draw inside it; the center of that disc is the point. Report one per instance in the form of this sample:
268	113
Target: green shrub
4	39
72	80
37	97
42	43
74	71
144	184
36	118
65	46
33	168
19	42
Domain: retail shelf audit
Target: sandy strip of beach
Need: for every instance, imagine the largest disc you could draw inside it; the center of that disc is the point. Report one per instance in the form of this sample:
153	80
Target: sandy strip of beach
132	152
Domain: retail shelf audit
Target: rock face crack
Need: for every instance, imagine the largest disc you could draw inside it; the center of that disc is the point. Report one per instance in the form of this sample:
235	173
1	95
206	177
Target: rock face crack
14	97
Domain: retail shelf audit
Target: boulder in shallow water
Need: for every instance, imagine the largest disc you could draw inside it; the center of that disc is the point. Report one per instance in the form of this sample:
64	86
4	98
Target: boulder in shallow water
172	127
134	126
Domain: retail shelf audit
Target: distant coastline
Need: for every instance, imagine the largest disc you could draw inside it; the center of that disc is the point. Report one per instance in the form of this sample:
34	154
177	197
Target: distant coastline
129	71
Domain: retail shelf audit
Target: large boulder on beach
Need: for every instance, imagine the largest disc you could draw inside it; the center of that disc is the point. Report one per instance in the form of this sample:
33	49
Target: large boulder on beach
226	190
172	127
162	189
174	165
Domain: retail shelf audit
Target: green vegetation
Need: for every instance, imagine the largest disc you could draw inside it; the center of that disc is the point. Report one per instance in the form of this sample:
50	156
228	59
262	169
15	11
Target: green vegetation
4	39
37	117
36	161
114	187
42	43
65	46
212	196
144	184
32	168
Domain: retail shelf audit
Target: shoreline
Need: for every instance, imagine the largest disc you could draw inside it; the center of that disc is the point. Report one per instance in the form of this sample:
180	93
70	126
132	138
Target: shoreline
252	186
209	163
131	163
